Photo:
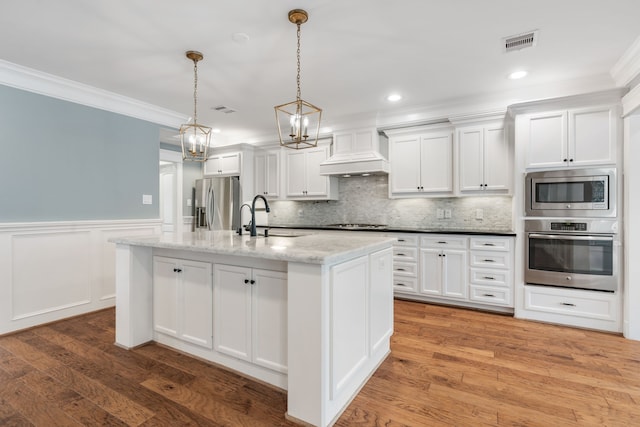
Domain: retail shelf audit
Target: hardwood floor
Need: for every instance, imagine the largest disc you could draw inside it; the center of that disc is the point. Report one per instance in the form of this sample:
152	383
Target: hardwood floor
448	367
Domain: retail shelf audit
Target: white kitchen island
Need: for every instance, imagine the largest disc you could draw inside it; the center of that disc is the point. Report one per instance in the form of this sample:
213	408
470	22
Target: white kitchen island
311	314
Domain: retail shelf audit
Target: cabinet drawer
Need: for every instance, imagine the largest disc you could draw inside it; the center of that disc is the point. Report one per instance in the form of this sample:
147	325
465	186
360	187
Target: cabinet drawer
490	243
405	254
594	305
490	259
405	284
485	276
490	295
444	242
405	269
405	240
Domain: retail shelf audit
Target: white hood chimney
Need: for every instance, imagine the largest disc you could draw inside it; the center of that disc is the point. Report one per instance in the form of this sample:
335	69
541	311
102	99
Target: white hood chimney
358	152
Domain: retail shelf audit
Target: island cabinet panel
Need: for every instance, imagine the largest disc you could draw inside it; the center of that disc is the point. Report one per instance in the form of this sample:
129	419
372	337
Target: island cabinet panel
250	315
182	299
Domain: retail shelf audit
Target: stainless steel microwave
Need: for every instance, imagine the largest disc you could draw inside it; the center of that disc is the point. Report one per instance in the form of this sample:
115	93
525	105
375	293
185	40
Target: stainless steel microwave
571	193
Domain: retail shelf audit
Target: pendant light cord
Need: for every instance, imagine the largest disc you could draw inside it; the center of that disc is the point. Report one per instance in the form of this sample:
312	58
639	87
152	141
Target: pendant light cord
298	96
195	91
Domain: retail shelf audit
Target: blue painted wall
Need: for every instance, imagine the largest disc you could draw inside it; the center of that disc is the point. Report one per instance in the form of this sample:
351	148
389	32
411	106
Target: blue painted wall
62	161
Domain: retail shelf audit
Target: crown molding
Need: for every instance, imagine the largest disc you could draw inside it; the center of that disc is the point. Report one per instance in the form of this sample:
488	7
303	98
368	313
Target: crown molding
628	66
35	81
611	96
631	102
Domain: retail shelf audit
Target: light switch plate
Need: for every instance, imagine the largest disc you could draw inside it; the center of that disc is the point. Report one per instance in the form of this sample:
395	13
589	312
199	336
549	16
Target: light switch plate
147	199
440	213
479	214
447	213
189	203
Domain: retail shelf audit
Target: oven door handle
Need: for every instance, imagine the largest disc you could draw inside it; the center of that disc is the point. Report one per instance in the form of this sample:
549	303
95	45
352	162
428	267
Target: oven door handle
569	237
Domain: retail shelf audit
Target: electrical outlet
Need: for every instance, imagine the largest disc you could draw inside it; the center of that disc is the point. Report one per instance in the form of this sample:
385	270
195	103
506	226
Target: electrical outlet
300	213
188	203
147	199
439	213
447	213
479	214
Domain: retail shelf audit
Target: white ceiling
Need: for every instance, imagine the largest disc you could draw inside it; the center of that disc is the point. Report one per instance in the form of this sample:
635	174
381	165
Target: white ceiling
354	53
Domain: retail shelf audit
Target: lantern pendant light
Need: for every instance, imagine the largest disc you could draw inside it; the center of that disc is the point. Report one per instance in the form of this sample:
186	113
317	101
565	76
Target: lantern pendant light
194	137
298	121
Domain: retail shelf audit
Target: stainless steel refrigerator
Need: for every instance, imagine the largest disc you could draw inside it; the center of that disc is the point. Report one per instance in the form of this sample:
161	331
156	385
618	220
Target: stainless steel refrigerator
216	203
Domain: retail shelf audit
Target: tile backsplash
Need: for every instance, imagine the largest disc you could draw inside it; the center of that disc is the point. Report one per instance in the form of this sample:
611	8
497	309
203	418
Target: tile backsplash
364	200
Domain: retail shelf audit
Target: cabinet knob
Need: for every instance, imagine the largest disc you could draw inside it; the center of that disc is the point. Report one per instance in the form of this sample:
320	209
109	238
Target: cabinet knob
570	160
177	270
246	280
564	160
253	282
485	186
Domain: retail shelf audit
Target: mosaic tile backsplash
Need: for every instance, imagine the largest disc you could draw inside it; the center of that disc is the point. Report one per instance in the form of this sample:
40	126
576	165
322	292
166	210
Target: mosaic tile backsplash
364	200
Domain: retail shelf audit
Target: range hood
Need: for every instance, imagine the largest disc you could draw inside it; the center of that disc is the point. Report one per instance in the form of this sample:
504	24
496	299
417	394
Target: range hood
361	152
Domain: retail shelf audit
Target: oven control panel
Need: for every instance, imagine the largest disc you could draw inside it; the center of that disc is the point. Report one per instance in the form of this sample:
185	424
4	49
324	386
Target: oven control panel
569	226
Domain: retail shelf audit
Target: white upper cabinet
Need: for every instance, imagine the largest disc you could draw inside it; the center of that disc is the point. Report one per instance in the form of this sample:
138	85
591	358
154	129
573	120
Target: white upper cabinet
226	164
484	159
571	138
421	164
303	179
267	173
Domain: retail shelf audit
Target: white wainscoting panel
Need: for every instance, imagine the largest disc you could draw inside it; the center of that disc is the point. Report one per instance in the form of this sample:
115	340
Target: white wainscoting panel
53	270
50	271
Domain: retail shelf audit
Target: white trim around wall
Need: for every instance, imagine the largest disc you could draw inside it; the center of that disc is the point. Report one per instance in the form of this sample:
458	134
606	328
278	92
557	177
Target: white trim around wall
35	81
53	270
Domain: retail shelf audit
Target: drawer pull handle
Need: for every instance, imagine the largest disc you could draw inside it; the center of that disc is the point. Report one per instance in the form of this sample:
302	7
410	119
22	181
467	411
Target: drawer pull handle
488	295
489	260
489	244
489	278
400	254
400	269
568	304
401	240
442	243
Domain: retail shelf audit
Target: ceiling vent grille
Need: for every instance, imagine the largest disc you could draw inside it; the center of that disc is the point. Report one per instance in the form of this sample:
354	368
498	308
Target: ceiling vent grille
520	41
224	109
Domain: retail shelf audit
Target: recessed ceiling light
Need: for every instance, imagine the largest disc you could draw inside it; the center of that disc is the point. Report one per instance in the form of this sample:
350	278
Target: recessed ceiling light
517	75
394	97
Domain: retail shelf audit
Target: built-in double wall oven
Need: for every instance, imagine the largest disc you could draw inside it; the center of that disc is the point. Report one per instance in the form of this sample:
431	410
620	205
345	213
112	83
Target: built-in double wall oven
571	228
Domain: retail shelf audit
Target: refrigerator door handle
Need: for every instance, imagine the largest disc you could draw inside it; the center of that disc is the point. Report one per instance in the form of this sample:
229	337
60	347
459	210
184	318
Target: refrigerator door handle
210	205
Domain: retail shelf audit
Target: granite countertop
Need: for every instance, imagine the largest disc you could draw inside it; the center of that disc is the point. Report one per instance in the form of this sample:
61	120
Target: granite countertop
296	247
384	228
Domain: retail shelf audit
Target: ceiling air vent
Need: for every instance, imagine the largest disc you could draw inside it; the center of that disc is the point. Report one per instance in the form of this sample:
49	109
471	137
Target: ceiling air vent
521	41
224	109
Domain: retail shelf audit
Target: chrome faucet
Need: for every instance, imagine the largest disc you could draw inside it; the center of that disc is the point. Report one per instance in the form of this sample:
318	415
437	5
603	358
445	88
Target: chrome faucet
253	212
240	228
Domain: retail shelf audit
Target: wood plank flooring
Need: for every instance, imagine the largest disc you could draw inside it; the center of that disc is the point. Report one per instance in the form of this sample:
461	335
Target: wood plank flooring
448	366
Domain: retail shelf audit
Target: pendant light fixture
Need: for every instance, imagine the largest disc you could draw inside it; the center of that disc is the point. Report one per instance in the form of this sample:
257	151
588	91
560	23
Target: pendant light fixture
298	121
195	137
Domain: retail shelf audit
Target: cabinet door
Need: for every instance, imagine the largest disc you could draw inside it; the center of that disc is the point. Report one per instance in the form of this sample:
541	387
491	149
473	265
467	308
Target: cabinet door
269	332
272	174
592	136
431	271
497	160
232	312
213	166
404	174
547	140
196	303
165	296
296	173
260	173
436	163
317	185
454	274
230	163
471	155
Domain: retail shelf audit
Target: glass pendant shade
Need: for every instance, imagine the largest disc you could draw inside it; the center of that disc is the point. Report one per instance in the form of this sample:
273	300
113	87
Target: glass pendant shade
194	137
298	121
195	140
298	124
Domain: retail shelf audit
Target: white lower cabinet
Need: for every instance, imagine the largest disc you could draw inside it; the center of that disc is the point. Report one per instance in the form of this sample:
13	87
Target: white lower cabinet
250	315
182	299
474	271
444	271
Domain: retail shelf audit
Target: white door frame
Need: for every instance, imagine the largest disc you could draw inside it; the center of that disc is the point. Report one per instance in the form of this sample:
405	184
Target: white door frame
176	157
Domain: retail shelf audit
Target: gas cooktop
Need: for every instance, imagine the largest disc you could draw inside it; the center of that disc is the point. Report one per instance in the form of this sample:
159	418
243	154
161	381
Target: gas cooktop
359	226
